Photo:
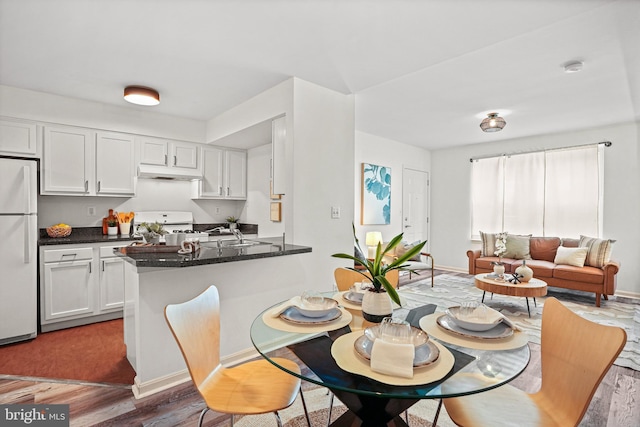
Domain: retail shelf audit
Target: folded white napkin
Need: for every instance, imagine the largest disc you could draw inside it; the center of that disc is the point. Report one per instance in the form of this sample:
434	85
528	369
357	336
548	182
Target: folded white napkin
295	301
392	358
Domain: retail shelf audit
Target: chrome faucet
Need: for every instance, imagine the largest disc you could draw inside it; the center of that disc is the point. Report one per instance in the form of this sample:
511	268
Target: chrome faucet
238	235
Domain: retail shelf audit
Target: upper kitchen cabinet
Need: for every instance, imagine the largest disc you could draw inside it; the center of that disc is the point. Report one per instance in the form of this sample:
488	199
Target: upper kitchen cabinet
18	137
68	158
159	152
82	162
115	164
224	174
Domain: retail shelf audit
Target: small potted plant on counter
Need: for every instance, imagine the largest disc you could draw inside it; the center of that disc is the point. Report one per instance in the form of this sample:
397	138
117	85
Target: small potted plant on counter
112	227
233	222
151	232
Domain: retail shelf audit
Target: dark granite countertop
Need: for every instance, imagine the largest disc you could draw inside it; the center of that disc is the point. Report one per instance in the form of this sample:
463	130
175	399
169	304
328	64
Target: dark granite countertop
82	235
210	254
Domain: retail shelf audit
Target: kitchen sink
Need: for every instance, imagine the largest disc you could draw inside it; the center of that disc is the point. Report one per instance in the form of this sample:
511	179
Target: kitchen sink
232	244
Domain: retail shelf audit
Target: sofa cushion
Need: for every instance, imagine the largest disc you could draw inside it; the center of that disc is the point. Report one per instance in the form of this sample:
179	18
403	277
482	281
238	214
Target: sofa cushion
488	243
599	250
544	248
541	268
517	246
570	243
579	274
571	256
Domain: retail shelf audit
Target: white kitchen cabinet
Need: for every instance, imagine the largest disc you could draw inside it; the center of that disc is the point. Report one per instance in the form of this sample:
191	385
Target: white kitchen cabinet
278	161
115	164
160	152
68	161
224	173
80	284
111	280
68	284
18	137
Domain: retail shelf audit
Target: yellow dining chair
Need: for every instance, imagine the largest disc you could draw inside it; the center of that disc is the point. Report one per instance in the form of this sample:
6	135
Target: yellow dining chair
345	278
576	355
255	387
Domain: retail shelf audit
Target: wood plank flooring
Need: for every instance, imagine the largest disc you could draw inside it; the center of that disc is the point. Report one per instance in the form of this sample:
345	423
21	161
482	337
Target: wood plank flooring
615	404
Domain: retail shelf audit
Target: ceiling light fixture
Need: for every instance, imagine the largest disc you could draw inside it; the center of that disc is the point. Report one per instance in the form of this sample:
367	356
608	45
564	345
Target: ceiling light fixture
493	123
141	95
573	67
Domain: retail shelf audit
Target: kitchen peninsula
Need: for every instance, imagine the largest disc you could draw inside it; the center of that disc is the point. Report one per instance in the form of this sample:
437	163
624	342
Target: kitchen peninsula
249	278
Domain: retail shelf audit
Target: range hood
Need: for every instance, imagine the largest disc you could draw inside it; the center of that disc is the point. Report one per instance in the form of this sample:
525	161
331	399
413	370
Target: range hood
163	172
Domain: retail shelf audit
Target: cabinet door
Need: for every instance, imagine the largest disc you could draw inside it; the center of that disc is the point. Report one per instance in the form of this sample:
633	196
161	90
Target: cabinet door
236	174
66	166
67	289
17	137
212	179
154	151
111	283
185	155
115	164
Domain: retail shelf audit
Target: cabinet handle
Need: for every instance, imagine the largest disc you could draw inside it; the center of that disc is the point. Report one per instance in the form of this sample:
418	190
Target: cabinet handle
73	255
220	193
228	191
175	160
89	268
102	265
166	160
86	186
99	185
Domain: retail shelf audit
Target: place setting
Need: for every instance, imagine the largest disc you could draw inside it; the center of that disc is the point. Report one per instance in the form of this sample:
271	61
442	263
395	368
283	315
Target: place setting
307	313
476	326
393	352
352	298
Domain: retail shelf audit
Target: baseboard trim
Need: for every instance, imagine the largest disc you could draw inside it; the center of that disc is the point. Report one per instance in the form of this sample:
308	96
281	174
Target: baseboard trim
157	385
627	297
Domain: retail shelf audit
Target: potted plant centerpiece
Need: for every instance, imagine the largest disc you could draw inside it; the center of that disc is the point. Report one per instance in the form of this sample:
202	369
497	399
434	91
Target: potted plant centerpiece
233	222
376	301
151	232
112	227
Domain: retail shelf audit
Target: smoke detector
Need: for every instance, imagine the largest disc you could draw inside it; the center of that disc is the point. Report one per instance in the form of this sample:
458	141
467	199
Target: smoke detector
573	67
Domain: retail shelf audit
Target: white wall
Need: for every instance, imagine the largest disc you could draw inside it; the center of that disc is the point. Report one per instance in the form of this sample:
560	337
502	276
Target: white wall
396	155
450	195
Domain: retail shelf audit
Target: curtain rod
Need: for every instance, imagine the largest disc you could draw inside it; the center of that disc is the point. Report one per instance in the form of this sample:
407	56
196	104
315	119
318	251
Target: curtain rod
606	144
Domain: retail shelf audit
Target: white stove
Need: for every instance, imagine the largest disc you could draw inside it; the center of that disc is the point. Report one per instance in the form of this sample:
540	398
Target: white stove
173	221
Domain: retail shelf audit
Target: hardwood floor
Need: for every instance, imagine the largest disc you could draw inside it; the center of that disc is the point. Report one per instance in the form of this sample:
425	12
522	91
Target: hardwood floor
615	404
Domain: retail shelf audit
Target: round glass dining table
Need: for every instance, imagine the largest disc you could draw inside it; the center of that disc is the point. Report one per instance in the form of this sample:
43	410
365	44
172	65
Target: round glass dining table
373	403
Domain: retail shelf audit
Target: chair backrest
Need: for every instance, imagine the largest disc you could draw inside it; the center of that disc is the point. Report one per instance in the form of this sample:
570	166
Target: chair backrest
195	324
345	278
576	355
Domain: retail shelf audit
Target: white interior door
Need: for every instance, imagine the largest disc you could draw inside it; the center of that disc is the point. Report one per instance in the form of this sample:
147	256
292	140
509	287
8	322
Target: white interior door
415	205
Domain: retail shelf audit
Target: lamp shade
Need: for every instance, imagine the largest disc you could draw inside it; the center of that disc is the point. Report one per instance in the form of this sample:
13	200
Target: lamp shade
373	238
141	95
493	123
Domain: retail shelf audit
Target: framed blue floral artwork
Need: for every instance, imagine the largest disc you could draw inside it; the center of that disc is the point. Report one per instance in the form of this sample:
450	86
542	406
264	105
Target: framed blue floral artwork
376	195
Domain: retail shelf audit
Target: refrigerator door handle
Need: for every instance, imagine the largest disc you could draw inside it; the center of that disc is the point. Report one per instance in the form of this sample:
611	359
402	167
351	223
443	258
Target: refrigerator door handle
27	188
27	240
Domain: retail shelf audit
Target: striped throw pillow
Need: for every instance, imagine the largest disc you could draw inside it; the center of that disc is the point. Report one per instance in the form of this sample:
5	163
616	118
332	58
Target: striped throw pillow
599	250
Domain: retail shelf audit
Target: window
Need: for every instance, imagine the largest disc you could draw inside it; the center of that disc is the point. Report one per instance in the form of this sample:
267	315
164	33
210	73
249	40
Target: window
546	193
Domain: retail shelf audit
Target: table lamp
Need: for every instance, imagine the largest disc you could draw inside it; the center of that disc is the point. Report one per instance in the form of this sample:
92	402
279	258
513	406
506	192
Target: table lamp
372	239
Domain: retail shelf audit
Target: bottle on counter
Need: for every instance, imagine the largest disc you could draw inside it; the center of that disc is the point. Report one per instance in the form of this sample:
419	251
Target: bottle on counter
107	220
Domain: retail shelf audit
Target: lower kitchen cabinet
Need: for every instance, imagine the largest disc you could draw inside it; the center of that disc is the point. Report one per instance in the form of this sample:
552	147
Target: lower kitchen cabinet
79	284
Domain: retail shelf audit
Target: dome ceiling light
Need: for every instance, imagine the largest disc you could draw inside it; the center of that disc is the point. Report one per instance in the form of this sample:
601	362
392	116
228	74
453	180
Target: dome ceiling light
573	67
492	123
141	95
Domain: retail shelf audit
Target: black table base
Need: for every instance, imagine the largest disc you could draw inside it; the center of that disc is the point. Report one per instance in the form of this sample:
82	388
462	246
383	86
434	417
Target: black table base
369	411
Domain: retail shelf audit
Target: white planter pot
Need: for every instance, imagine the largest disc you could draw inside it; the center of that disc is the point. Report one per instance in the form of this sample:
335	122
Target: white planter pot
498	269
376	306
112	231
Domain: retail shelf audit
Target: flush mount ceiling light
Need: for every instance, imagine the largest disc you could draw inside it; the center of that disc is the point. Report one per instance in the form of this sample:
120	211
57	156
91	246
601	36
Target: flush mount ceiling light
493	123
573	67
141	95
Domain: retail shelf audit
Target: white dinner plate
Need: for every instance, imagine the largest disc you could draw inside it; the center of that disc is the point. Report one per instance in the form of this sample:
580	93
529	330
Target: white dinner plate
353	297
425	354
292	315
497	332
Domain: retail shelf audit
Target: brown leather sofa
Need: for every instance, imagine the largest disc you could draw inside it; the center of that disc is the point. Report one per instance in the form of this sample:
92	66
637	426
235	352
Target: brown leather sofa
600	281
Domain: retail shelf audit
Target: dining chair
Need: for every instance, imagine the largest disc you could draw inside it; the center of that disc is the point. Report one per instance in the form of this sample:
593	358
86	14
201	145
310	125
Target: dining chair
255	387
576	354
345	278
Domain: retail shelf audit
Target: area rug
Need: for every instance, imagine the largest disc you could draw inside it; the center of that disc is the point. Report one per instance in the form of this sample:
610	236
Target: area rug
421	414
93	353
450	290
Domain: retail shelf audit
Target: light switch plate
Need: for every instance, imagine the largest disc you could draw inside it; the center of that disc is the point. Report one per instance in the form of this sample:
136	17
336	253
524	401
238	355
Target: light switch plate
335	212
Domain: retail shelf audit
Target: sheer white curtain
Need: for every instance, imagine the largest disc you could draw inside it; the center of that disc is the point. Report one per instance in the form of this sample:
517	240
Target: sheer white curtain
552	193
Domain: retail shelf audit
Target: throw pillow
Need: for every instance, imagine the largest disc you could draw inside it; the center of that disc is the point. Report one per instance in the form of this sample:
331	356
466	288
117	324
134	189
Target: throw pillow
599	250
488	243
544	248
404	247
518	246
571	256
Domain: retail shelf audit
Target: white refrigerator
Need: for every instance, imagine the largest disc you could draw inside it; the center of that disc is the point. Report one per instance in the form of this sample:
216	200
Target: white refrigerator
18	250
